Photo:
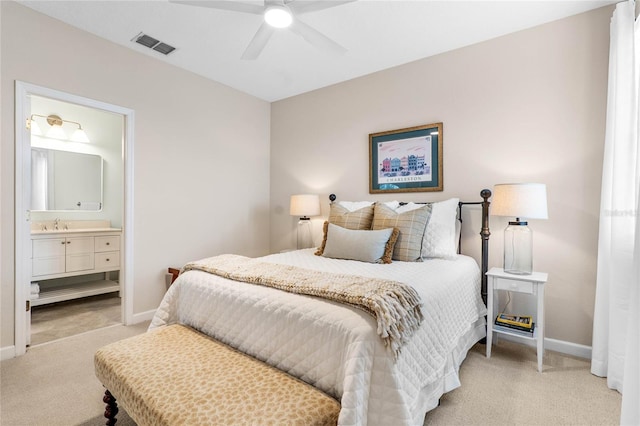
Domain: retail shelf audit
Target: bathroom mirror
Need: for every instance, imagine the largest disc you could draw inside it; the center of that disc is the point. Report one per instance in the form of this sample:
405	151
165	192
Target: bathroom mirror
64	181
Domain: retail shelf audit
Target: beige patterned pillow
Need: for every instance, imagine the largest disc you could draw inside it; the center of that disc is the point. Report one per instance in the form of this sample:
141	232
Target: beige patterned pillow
358	219
412	226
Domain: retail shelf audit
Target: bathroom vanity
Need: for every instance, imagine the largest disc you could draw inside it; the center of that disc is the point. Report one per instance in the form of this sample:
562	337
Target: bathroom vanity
74	259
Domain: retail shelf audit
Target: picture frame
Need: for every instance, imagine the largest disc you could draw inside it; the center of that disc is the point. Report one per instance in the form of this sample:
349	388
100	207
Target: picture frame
406	160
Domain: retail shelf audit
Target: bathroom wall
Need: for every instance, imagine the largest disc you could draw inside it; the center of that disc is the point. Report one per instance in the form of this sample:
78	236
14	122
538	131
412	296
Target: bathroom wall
105	131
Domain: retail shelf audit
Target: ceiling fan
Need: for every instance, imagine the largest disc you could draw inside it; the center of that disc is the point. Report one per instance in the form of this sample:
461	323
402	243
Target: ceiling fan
278	14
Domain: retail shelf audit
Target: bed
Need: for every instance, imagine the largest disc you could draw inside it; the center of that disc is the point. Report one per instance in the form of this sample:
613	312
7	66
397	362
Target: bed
336	347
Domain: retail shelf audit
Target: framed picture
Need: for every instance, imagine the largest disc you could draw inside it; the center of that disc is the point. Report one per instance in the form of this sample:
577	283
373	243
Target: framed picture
406	160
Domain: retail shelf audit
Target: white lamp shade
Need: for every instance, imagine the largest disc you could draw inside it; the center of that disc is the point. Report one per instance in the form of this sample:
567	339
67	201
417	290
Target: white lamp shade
56	132
520	200
79	136
35	128
305	205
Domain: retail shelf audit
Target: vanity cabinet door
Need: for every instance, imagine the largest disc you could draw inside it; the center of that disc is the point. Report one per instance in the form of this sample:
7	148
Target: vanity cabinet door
79	262
49	247
48	256
48	265
80	256
77	245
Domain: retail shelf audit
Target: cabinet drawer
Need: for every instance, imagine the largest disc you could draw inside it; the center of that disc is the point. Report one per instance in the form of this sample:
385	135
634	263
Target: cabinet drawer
110	243
77	245
48	247
47	265
108	259
80	262
513	285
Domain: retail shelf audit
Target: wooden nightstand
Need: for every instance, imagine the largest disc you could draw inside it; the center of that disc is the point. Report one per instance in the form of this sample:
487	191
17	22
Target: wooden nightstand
527	284
174	274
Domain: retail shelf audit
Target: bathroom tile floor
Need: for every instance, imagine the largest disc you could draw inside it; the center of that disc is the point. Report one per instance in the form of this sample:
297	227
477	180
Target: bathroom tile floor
64	319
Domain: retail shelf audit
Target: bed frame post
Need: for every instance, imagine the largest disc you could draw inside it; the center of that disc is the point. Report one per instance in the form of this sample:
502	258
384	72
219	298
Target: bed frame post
484	234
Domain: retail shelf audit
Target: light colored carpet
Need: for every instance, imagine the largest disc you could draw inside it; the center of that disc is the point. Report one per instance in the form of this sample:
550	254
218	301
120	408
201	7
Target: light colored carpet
54	384
508	390
64	319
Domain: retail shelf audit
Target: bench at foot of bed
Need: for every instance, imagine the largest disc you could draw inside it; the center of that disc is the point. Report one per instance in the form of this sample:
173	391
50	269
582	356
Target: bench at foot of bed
175	375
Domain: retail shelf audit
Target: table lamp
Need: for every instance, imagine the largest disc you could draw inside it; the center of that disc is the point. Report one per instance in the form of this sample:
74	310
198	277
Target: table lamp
304	205
522	201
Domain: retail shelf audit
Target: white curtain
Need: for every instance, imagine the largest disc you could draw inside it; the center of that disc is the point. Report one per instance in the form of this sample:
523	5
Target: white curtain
616	349
39	179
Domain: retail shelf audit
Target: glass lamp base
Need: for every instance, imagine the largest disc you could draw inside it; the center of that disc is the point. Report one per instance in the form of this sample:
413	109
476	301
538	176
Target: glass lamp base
305	239
518	258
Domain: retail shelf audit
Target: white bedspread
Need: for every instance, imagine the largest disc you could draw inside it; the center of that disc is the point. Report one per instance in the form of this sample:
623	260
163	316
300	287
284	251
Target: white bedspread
335	347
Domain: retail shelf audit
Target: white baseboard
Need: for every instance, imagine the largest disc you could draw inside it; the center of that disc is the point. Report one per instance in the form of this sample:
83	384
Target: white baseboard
567	348
142	316
7	352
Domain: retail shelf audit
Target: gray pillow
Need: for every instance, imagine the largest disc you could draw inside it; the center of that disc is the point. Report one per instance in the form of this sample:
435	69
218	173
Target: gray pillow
362	245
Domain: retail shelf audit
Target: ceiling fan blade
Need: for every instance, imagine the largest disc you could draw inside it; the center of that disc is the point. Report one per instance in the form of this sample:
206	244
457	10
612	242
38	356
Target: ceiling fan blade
258	42
300	7
257	8
316	38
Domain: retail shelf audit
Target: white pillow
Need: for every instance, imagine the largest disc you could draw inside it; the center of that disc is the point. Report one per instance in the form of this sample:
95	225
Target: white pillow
352	206
393	204
440	239
442	234
408	207
356	244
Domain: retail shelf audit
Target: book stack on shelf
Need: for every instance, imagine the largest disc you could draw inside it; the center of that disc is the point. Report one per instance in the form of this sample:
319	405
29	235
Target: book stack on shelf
515	324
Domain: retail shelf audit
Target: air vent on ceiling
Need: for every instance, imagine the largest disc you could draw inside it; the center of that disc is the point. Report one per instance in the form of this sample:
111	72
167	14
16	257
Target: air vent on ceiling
163	48
153	43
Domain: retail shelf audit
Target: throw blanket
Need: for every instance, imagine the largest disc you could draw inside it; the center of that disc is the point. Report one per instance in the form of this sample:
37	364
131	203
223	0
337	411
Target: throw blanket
394	305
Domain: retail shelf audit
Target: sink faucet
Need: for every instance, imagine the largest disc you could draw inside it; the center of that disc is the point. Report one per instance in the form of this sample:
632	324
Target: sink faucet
55	223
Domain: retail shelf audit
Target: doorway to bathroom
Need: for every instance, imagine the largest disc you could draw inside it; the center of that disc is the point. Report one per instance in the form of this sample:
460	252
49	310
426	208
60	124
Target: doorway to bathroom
73	250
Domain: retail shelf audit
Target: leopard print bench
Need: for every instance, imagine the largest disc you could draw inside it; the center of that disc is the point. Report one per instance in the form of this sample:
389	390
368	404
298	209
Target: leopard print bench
176	375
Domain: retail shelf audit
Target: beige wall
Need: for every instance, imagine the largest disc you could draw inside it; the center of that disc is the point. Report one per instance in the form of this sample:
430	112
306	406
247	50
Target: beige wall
190	134
526	107
529	106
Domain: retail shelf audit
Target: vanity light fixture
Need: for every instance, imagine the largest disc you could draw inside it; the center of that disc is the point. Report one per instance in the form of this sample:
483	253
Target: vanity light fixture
55	130
34	127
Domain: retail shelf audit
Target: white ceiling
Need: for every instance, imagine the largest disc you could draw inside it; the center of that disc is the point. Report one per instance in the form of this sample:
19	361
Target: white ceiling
378	34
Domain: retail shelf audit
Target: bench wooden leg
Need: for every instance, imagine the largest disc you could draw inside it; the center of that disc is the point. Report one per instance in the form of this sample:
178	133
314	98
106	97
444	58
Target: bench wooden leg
111	410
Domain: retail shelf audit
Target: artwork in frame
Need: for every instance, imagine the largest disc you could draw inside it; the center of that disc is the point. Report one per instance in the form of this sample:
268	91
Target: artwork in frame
406	160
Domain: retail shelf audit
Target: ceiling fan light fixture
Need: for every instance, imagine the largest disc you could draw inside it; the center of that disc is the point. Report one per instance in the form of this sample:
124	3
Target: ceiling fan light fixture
278	16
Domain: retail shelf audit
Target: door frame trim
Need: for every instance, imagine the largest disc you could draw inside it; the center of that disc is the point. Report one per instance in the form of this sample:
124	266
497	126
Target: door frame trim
23	91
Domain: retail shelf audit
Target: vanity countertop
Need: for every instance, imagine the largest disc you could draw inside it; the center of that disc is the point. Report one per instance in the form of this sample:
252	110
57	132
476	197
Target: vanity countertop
65	227
73	231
